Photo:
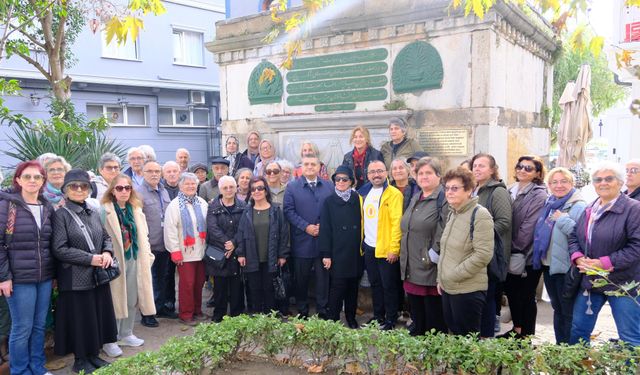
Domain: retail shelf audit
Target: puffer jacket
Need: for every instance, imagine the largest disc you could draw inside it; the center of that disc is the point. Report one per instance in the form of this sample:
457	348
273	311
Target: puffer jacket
526	210
222	226
70	247
558	251
27	258
278	239
500	210
463	262
407	148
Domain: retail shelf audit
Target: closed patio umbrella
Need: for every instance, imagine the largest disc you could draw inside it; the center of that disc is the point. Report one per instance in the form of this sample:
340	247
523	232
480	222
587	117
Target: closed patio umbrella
575	124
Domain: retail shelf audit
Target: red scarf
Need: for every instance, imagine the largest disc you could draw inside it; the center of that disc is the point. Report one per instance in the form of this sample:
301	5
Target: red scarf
358	158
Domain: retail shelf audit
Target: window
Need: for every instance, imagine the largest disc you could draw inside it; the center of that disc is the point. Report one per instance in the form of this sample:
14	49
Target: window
180	116
119	116
125	51
188	47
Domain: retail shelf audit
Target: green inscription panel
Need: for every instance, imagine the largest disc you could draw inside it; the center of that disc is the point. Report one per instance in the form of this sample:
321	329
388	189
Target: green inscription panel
338	97
359	70
267	92
417	67
340	59
337	85
335	107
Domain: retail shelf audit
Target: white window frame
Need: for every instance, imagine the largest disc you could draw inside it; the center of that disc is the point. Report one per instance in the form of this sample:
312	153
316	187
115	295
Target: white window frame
125	115
190	124
104	48
180	29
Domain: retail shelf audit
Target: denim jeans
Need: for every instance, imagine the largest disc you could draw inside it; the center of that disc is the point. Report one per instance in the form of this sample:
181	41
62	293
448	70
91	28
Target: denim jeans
626	314
29	305
562	307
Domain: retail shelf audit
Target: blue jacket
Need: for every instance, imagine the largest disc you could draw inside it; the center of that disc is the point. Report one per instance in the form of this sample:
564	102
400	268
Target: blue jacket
301	207
559	244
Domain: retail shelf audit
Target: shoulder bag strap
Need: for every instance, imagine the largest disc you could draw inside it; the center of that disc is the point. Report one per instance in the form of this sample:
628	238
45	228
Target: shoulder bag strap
11	223
472	226
83	228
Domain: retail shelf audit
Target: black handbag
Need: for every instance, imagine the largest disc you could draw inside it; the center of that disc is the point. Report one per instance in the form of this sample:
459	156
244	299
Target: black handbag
572	282
280	285
101	275
214	257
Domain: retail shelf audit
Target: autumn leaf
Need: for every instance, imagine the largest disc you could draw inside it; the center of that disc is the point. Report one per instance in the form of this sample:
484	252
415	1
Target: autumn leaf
560	22
624	58
576	40
267	75
549	4
315	369
112	29
596	44
299	327
635	3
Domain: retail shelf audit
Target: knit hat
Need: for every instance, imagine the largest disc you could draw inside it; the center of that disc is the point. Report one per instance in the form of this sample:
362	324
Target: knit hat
417	156
197	166
76	175
343	169
220	160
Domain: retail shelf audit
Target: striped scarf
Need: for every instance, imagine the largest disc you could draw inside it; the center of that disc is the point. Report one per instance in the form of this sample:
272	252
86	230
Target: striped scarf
185	218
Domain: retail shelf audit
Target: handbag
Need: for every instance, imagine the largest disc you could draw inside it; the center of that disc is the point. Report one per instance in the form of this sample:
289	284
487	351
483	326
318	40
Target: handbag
572	282
214	257
101	275
280	285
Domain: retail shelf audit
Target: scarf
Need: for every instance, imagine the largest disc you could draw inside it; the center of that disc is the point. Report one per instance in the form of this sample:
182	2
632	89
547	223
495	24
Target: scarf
185	218
232	163
128	230
344	195
53	195
358	163
544	228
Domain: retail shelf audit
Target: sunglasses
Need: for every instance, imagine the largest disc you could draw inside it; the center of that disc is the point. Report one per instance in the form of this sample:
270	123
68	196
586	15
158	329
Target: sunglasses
75	187
258	188
28	177
120	188
343	179
608	179
269	172
632	170
453	189
526	168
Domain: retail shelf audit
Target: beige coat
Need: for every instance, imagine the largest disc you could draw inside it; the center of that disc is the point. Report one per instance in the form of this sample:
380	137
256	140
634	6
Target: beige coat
145	259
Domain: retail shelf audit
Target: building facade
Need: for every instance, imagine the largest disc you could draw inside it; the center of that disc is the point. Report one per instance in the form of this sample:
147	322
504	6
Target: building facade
161	90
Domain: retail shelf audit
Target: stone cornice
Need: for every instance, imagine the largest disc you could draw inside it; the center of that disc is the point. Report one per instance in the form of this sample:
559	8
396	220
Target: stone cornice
339	121
241	39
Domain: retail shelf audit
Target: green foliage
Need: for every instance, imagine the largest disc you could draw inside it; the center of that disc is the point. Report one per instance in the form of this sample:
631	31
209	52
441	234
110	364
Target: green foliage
329	346
395	104
605	93
67	134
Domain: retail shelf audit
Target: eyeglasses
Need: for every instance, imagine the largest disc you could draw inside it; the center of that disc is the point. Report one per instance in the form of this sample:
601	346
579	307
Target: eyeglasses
258	188
526	168
269	172
75	186
28	177
55	170
112	168
608	179
561	182
342	179
633	170
120	188
376	171
137	158
453	189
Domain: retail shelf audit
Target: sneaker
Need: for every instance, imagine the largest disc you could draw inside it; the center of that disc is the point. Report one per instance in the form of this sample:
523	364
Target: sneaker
112	349
131	340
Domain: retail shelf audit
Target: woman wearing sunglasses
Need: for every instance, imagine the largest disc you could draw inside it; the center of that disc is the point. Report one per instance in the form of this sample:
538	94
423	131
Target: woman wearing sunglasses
607	236
276	187
126	224
26	266
466	248
529	195
85	320
263	244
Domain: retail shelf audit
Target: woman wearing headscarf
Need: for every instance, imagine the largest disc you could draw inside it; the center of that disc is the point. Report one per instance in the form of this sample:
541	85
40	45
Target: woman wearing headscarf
236	159
267	155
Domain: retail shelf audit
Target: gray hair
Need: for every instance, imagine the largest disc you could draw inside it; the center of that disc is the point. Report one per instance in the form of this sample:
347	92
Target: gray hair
402	162
135	149
107	157
148	151
610	166
170	163
44	157
58	159
316	151
182	149
187	176
240	171
633	161
400	122
286	164
224	179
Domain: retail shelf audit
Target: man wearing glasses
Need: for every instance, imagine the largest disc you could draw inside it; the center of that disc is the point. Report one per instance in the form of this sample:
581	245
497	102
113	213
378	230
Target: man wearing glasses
632	182
135	157
109	168
382	211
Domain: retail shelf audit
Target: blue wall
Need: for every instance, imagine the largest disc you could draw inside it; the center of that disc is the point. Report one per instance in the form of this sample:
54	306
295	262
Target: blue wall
241	8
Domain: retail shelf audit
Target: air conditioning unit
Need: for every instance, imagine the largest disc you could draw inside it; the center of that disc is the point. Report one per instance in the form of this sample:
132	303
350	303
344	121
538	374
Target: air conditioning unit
197	97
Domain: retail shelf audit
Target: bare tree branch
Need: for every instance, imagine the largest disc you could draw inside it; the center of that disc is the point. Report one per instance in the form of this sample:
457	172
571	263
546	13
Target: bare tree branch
27	35
25	23
36	64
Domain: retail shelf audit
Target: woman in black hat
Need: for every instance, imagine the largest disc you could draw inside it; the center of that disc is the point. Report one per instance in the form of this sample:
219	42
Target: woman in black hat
85	319
339	245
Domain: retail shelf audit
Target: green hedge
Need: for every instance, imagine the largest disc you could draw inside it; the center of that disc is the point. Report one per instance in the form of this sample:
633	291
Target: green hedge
368	350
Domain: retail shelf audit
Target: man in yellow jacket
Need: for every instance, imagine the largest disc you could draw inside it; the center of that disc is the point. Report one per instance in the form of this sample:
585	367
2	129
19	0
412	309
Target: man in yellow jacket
382	211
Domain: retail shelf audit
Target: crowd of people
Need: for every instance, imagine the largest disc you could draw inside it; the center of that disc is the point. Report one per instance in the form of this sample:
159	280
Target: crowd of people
444	245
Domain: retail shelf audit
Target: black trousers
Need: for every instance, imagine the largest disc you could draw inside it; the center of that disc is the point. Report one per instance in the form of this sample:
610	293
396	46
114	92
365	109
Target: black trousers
521	292
427	314
261	288
462	312
384	278
160	277
227	290
343	289
170	286
302	268
487	328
